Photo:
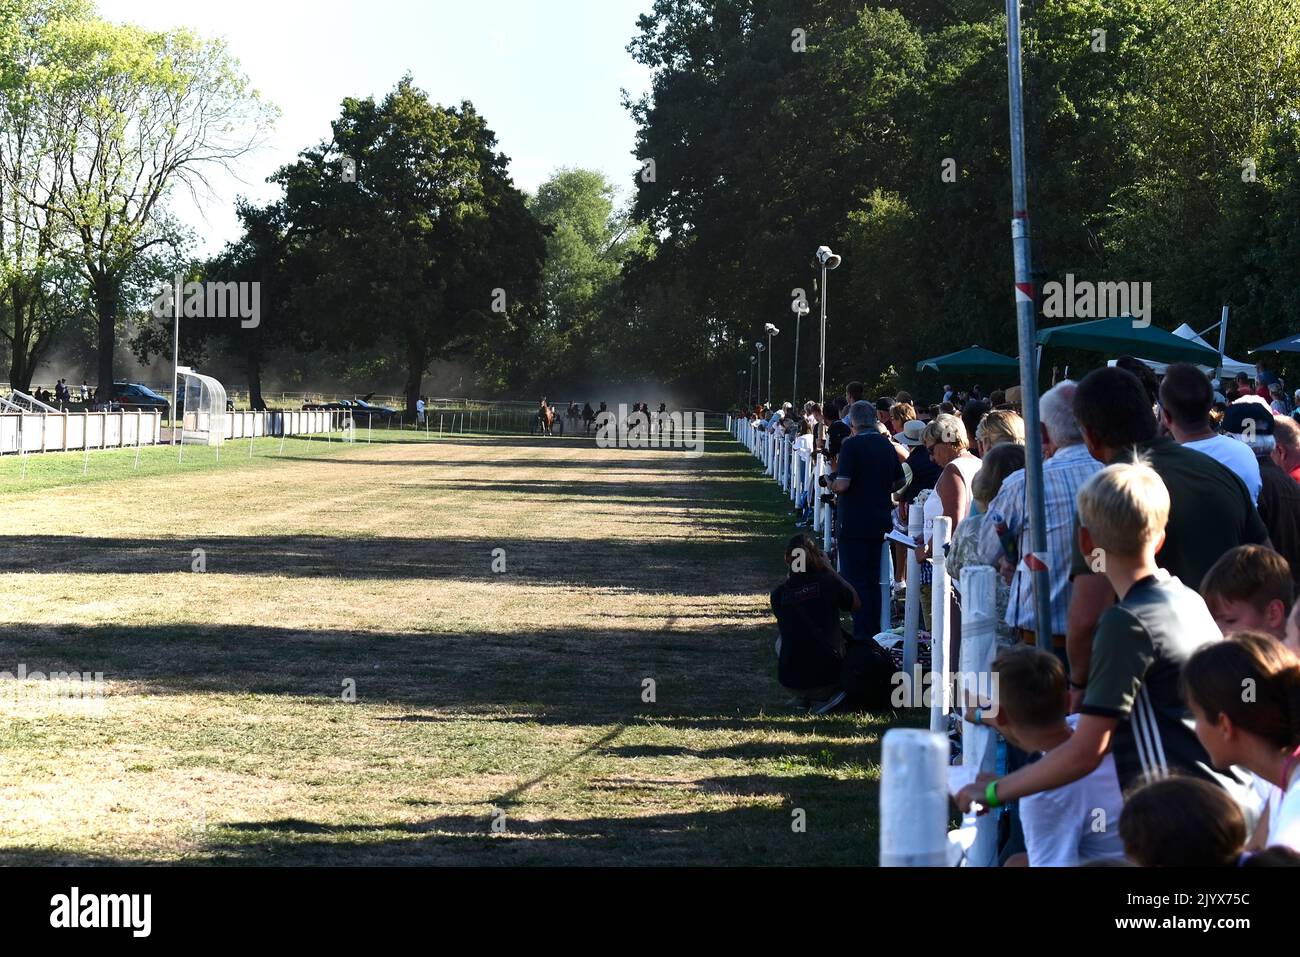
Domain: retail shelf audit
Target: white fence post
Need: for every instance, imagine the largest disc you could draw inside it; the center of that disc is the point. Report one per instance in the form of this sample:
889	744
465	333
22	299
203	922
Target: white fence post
912	600
979	619
828	529
914	799
886	583
940	690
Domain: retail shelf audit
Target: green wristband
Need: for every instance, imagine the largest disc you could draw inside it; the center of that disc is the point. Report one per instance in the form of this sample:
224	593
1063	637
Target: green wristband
991	794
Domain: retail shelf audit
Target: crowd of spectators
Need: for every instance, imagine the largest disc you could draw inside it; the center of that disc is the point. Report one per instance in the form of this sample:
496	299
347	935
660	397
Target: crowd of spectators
1172	512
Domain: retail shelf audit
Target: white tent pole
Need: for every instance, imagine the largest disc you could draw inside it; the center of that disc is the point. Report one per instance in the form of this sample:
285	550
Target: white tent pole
1223	341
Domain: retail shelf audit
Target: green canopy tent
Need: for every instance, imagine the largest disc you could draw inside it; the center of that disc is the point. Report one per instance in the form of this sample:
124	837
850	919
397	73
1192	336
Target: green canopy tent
973	361
1289	344
1119	336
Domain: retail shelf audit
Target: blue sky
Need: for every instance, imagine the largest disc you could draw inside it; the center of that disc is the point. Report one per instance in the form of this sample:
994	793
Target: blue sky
547	74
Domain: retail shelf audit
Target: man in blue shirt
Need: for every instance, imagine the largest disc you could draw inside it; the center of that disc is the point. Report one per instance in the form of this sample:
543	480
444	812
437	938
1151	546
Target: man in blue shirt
866	473
853	392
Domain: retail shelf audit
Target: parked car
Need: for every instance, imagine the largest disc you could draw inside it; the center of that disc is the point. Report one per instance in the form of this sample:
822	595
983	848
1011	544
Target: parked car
361	408
132	396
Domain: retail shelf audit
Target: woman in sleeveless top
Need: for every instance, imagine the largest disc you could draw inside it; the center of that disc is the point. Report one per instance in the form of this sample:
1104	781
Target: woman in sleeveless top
946	439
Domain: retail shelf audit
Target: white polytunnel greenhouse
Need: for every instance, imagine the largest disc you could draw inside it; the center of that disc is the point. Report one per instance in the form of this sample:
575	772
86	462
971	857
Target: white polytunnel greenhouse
203	408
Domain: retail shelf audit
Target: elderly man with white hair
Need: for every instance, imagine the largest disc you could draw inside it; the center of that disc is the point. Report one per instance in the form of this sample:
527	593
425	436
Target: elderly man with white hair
1004	536
1253	424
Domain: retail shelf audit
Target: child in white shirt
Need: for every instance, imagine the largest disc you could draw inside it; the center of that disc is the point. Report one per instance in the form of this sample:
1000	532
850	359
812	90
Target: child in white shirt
1072	824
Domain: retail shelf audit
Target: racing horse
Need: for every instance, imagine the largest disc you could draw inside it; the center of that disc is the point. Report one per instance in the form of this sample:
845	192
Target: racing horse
545	420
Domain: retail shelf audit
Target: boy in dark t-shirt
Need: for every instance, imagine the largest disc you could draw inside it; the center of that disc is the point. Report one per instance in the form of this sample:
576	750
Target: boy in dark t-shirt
1133	707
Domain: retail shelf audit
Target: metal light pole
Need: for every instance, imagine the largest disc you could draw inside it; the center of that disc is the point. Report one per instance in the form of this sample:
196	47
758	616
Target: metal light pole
1036	561
176	350
758	347
828	260
753	361
800	309
771	331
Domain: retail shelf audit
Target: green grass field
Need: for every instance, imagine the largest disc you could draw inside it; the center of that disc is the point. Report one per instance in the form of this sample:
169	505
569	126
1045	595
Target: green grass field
499	716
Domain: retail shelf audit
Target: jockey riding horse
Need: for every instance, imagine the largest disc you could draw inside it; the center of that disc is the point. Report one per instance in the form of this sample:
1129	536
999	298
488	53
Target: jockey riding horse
545	417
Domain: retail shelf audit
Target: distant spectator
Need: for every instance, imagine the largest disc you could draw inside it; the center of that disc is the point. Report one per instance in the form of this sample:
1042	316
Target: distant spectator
1277	399
1182	822
1260	731
999	426
899	415
1286	445
1117	424
972	414
1185	400
838	430
419	410
1132	708
1005	537
853	392
947	393
1006	459
1263	379
1250	424
866	472
808	605
923	469
1242	387
903	397
946	440
1058	824
1144	374
1249	589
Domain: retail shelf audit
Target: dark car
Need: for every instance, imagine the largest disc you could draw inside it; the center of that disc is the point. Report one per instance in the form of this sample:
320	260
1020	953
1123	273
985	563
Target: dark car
132	396
361	408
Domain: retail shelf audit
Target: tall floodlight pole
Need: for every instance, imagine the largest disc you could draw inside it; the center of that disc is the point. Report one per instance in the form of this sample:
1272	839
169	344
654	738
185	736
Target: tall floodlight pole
771	331
1036	561
753	362
827	260
176	349
800	308
758	347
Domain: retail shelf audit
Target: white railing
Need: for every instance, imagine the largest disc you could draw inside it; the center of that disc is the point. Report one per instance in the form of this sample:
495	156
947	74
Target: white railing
917	774
244	425
22	432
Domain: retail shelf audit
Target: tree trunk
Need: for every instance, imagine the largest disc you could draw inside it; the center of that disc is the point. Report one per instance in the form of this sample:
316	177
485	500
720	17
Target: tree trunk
415	358
255	401
106	290
20	372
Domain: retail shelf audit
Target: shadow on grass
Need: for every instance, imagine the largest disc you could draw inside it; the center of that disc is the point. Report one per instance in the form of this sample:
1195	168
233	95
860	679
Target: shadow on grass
685	565
840	814
570	675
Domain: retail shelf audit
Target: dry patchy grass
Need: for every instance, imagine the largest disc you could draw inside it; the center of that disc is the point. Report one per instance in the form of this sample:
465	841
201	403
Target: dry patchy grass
223	735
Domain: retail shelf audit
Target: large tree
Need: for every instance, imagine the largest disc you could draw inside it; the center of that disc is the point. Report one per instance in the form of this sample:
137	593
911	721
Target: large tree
411	231
38	292
884	134
582	334
127	116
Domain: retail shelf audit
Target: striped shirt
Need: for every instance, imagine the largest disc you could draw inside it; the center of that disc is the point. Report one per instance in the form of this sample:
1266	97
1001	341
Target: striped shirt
1063	474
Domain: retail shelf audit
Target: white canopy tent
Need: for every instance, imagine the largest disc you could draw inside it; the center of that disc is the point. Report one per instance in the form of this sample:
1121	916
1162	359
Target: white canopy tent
1230	366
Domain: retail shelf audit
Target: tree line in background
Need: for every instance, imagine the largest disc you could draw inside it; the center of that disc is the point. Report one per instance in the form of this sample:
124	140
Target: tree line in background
1163	146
